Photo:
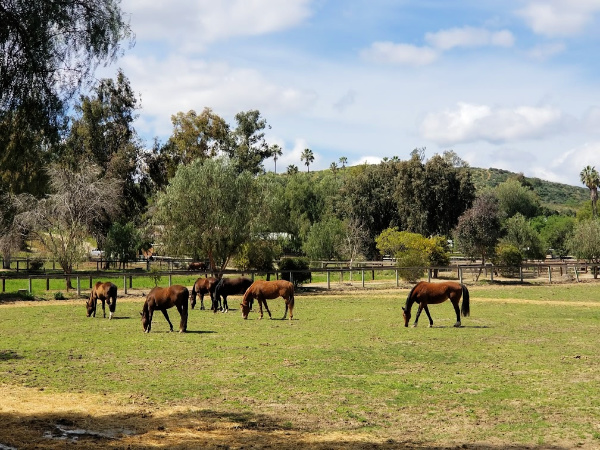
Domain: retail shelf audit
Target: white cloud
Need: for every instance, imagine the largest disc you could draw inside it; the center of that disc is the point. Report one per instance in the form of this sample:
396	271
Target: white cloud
469	123
401	54
559	17
568	165
543	52
191	24
469	37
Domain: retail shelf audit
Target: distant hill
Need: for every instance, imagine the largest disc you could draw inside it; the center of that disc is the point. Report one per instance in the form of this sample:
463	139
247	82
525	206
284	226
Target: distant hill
553	195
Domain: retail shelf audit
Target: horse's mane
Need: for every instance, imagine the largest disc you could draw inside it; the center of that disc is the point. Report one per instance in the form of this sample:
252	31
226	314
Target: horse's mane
409	302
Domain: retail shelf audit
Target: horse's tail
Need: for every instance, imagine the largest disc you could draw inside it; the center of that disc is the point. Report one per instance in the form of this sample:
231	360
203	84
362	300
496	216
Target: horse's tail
193	296
465	309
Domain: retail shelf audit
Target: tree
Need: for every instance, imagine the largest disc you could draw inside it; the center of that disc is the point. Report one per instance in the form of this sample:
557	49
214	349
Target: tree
524	237
591	179
292	169
308	157
324	240
432	196
343	161
411	250
10	233
207	210
197	136
123	242
585	243
62	221
556	231
51	49
479	228
334	169
248	147
277	152
514	198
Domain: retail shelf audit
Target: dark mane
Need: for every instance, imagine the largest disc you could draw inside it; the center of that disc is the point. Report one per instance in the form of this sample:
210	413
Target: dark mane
409	302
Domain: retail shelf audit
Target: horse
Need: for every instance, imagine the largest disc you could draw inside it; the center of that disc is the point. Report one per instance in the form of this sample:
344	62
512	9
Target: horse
263	290
228	286
198	266
201	287
424	293
106	292
162	299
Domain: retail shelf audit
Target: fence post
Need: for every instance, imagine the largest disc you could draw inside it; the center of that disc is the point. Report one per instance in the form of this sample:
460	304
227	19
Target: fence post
170	279
362	273
577	274
429	275
30	288
78	286
550	274
328	280
47	283
460	274
130	281
521	273
3	285
90	281
397	279
125	284
492	273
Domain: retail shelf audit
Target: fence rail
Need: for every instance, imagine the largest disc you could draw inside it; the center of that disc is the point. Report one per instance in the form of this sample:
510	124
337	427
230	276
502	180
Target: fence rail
544	272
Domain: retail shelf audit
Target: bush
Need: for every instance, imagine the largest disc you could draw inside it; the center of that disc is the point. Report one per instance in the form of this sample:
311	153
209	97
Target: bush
509	258
36	263
299	268
59	296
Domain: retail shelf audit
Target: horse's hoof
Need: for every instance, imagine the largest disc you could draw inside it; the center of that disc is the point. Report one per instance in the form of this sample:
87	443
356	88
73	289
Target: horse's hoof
415	325
457	325
430	325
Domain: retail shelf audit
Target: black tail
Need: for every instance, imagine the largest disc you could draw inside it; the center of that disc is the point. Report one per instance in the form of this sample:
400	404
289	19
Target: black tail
465	309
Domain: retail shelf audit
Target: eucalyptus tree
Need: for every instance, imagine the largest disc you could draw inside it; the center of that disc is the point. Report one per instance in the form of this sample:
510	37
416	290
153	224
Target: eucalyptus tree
514	198
207	210
248	148
308	157
591	179
49	51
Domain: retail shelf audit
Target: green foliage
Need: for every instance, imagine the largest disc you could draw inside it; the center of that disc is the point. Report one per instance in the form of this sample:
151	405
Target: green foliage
514	198
555	231
509	257
36	263
258	254
59	296
585	242
299	267
324	240
207	209
155	275
123	242
523	236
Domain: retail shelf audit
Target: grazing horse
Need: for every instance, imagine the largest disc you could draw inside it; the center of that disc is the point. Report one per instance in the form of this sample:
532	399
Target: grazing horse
424	293
162	299
263	290
197	266
201	287
105	292
228	286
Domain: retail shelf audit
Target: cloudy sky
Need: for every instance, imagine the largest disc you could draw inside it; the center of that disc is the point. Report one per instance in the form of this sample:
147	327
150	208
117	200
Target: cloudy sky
512	85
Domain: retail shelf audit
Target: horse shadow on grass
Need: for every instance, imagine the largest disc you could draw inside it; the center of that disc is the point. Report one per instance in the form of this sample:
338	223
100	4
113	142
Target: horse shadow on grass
141	429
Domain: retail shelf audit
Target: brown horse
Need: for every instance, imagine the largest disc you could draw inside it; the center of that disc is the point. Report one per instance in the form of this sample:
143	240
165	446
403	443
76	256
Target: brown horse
197	266
201	287
162	299
228	286
263	290
424	293
105	292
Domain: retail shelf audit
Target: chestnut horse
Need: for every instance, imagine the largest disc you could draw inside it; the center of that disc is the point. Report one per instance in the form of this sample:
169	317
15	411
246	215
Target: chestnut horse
424	293
105	292
162	299
197	266
263	290
228	286
201	287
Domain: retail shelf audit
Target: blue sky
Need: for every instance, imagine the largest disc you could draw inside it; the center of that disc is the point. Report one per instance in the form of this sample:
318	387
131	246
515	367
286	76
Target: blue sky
511	85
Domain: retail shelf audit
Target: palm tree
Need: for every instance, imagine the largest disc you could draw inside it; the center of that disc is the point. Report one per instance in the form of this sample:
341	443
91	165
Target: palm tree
308	157
343	161
590	177
276	151
334	168
292	169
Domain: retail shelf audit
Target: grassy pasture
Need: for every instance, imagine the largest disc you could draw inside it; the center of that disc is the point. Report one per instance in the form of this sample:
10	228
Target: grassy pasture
524	370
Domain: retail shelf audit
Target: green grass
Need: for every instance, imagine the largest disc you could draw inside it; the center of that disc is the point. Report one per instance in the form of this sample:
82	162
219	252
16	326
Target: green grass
517	372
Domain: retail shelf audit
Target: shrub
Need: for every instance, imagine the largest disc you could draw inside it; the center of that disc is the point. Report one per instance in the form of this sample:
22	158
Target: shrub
509	258
59	296
36	263
298	268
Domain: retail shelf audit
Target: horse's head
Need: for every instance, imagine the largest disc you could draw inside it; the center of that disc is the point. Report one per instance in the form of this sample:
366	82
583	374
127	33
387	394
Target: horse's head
406	314
145	313
245	307
90	305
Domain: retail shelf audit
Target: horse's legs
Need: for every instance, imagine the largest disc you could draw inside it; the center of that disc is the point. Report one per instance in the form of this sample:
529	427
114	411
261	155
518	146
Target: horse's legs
418	314
260	304
103	310
201	301
426	308
267	307
183	322
455	304
225	305
112	306
150	314
164	311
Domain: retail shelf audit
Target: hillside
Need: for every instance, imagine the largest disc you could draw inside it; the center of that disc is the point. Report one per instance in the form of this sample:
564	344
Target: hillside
551	194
